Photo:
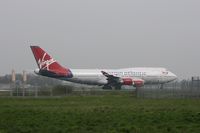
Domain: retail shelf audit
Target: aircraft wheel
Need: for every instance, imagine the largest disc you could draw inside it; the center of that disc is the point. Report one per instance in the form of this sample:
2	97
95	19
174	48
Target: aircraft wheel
107	87
161	86
118	87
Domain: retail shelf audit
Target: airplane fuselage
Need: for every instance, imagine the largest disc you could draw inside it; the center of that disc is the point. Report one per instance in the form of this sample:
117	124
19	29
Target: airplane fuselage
136	77
95	76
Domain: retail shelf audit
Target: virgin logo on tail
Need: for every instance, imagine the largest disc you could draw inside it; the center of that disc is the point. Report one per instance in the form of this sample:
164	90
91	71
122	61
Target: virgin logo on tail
44	64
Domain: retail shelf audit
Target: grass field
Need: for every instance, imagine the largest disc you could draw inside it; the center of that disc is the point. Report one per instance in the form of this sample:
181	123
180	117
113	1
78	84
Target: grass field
99	114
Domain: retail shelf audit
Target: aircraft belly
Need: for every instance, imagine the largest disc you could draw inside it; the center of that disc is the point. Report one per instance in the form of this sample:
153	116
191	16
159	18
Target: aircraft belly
151	80
90	80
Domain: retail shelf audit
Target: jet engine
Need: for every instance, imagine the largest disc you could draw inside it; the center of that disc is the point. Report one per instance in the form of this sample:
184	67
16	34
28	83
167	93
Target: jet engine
134	82
138	83
127	81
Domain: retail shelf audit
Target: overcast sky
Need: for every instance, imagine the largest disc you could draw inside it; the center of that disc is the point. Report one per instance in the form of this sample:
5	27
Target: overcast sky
102	33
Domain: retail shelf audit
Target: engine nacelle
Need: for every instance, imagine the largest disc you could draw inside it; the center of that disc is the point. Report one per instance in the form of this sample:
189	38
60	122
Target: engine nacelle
127	81
138	83
134	82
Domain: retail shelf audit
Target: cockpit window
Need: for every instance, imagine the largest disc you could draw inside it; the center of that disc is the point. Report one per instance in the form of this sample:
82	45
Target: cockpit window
165	72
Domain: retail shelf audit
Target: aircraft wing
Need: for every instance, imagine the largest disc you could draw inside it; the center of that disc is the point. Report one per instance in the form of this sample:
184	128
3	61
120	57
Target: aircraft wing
108	75
111	78
114	80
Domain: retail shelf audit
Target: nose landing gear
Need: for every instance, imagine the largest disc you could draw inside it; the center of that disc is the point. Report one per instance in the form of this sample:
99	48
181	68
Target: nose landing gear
161	86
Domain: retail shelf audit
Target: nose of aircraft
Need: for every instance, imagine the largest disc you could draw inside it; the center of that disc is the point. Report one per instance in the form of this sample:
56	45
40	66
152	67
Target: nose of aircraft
172	76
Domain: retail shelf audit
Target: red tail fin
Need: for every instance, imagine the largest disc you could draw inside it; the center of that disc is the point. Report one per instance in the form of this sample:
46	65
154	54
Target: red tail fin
46	63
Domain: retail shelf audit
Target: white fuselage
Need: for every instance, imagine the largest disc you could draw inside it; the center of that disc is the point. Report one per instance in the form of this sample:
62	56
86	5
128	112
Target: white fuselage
95	76
136	77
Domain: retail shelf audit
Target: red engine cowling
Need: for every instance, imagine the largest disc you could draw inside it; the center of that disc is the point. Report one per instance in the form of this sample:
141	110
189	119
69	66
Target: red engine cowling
127	81
138	83
134	82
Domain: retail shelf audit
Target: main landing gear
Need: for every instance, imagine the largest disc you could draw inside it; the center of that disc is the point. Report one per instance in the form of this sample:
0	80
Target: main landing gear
109	87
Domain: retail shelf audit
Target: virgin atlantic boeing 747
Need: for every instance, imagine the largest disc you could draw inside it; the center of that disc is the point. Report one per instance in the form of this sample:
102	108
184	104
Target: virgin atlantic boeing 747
107	78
